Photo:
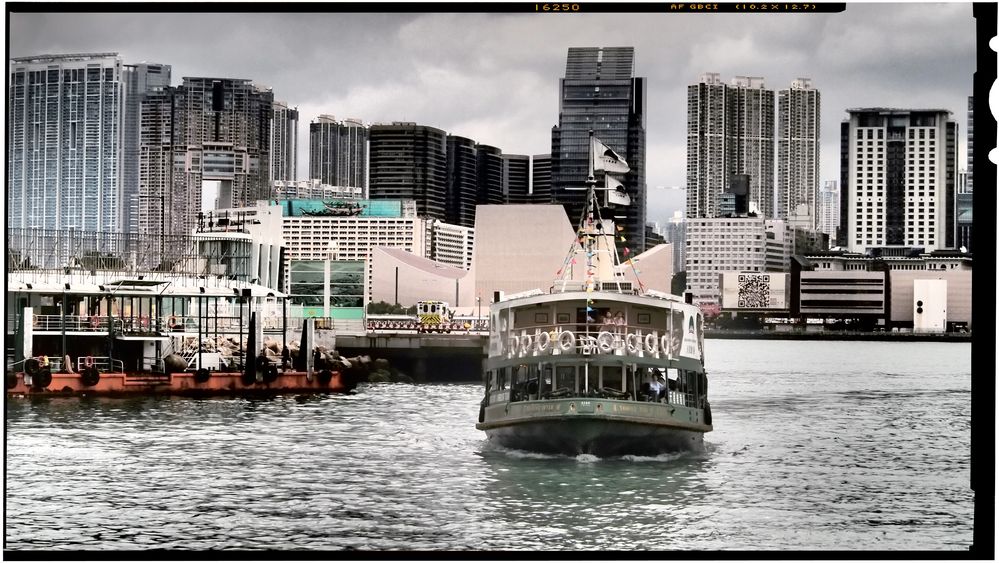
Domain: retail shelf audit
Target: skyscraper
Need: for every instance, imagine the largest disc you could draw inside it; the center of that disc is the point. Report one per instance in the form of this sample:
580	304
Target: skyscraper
409	161
204	145
897	179
516	178
284	143
138	80
338	152
798	153
750	145
730	131
64	142
154	200
489	168
462	181
965	193
541	178
600	93
221	138
828	209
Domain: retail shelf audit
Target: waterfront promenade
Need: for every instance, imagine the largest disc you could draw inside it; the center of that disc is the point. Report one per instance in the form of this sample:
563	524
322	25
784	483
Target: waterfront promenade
837	335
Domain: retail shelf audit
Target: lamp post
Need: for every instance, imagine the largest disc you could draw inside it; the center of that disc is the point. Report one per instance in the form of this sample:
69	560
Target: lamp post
478	320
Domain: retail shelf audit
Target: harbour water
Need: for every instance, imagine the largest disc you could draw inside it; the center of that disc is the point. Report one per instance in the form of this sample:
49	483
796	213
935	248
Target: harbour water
817	446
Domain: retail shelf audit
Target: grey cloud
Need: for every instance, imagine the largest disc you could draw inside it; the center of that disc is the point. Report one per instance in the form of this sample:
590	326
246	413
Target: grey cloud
494	77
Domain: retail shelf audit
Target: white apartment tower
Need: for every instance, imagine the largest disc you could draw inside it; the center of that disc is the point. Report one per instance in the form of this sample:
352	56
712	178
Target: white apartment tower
730	130
828	209
64	142
798	153
897	182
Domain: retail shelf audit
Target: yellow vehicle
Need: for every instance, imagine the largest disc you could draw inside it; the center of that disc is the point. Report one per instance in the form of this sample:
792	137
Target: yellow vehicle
434	316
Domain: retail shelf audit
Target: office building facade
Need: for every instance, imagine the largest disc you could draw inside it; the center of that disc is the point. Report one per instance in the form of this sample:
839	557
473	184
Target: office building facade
516	178
541	178
338	151
898	179
600	93
798	125
409	161
462	181
733	244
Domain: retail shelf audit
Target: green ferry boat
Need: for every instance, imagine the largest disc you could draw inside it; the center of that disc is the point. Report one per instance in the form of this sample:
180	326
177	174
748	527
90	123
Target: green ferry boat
597	366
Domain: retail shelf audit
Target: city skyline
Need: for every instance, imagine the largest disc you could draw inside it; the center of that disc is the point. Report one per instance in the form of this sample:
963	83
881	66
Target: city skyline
494	77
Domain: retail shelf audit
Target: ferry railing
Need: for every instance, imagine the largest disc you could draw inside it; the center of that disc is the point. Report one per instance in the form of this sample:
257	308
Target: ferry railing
102	363
456	327
74	323
54	364
632	340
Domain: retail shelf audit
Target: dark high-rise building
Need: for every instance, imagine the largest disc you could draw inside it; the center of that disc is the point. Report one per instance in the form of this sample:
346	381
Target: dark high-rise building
284	143
600	93
155	212
516	178
541	178
897	179
409	161
138	80
338	152
221	139
462	181
489	168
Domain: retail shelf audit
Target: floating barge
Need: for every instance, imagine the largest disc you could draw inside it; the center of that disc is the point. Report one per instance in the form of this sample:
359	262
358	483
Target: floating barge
101	334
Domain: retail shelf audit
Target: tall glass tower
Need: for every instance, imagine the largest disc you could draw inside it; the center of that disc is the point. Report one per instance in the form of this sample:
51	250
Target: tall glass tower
409	161
600	93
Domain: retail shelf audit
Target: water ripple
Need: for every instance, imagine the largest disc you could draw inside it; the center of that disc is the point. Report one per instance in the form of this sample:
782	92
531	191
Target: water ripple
840	446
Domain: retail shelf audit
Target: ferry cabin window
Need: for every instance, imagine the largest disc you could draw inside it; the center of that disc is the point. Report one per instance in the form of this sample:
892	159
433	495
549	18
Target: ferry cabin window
565	376
611	377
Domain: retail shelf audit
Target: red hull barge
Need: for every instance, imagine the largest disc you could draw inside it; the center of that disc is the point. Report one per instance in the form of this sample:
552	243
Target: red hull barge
218	383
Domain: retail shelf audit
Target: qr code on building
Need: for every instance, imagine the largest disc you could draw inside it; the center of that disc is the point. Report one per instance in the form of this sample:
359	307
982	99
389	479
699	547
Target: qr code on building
754	291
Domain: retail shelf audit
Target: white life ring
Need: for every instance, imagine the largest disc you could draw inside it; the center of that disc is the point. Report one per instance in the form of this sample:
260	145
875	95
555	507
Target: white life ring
634	343
651	343
543	341
664	343
566	341
605	342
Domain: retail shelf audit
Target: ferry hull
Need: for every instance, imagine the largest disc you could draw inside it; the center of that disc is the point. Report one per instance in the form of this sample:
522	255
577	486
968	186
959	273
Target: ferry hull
599	437
598	426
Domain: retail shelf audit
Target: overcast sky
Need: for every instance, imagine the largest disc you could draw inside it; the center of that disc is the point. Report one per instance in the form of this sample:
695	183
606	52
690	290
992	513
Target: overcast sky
494	77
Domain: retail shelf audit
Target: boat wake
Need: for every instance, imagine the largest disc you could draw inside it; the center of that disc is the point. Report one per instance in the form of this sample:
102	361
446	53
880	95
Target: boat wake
671	457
